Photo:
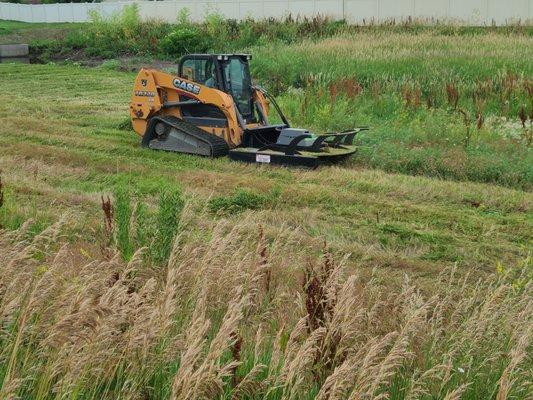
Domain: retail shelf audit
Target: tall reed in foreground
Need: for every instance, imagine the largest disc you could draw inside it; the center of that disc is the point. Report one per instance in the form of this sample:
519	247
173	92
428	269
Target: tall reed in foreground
229	317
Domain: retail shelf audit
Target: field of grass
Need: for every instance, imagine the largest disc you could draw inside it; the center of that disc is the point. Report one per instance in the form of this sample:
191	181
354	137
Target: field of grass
23	32
450	102
438	105
196	334
403	274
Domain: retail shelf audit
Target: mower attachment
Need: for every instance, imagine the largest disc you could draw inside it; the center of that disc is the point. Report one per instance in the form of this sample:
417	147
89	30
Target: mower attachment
304	150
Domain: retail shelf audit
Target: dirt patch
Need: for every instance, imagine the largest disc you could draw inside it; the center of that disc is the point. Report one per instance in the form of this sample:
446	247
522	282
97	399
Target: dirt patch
122	63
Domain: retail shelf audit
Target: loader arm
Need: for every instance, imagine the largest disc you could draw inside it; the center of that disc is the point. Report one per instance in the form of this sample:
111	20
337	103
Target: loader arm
163	94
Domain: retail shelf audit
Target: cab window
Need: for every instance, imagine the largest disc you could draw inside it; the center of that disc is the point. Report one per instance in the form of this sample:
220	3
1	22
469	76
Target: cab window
201	71
239	84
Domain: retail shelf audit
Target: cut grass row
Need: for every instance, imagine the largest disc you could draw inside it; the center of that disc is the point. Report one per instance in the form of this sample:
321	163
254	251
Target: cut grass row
441	101
64	160
432	299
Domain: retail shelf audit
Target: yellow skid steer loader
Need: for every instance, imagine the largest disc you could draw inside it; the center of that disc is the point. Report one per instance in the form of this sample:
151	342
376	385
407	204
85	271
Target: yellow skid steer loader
212	109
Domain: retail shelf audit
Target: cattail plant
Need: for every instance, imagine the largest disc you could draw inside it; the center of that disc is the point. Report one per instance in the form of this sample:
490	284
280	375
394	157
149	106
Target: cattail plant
417	95
333	92
431	97
480	101
523	116
452	95
352	88
466	122
1	197
527	132
375	89
107	208
407	95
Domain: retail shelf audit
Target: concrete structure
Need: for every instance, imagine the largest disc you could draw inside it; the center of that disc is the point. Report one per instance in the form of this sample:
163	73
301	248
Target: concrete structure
471	12
14	50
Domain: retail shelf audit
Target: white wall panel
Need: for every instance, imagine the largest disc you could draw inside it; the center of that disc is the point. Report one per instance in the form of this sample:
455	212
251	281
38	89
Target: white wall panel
396	9
329	8
14	12
51	13
469	10
472	12
250	8
229	9
275	8
503	11
359	11
38	13
25	14
302	8
432	9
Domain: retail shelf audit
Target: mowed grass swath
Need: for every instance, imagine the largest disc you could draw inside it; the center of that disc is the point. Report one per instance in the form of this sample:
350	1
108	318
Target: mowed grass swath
447	101
129	273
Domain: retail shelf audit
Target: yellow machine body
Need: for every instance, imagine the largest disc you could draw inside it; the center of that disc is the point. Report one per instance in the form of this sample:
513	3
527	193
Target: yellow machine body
153	89
211	108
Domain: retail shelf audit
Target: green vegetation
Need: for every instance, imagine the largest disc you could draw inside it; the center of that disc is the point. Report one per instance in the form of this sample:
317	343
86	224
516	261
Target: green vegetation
70	145
450	102
130	224
23	32
123	215
245	313
130	273
242	200
126	34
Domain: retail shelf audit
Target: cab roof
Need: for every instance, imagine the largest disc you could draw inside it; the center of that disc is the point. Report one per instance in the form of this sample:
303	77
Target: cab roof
219	55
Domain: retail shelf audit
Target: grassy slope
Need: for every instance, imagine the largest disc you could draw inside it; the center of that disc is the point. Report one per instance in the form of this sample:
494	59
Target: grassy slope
23	32
62	148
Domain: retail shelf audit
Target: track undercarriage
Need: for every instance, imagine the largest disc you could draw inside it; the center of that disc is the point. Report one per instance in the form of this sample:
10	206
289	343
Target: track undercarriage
262	145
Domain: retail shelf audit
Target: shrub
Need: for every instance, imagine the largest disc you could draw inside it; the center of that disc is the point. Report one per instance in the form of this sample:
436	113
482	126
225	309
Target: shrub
44	50
122	33
182	40
111	65
136	227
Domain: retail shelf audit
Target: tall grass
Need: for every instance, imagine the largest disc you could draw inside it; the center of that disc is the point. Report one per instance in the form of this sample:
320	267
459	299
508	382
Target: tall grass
235	315
493	146
130	224
170	207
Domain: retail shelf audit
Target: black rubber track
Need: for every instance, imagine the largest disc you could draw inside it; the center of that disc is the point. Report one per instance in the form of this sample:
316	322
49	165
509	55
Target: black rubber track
219	147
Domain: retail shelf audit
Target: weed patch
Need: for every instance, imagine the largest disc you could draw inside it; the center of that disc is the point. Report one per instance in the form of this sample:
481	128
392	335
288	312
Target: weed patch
240	201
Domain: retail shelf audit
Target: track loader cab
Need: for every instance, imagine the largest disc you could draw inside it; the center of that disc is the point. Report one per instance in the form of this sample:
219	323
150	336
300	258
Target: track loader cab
227	73
212	108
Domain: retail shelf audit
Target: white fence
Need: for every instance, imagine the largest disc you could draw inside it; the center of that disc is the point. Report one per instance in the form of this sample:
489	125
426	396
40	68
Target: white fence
472	12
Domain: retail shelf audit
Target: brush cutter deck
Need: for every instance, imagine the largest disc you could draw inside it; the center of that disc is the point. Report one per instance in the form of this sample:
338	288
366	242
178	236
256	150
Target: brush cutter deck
295	147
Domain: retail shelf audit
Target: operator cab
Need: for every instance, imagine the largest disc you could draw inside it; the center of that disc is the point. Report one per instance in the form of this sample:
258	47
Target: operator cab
226	72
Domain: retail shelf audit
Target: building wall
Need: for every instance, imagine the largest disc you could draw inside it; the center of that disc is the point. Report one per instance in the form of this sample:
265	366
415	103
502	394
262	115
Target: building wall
471	12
